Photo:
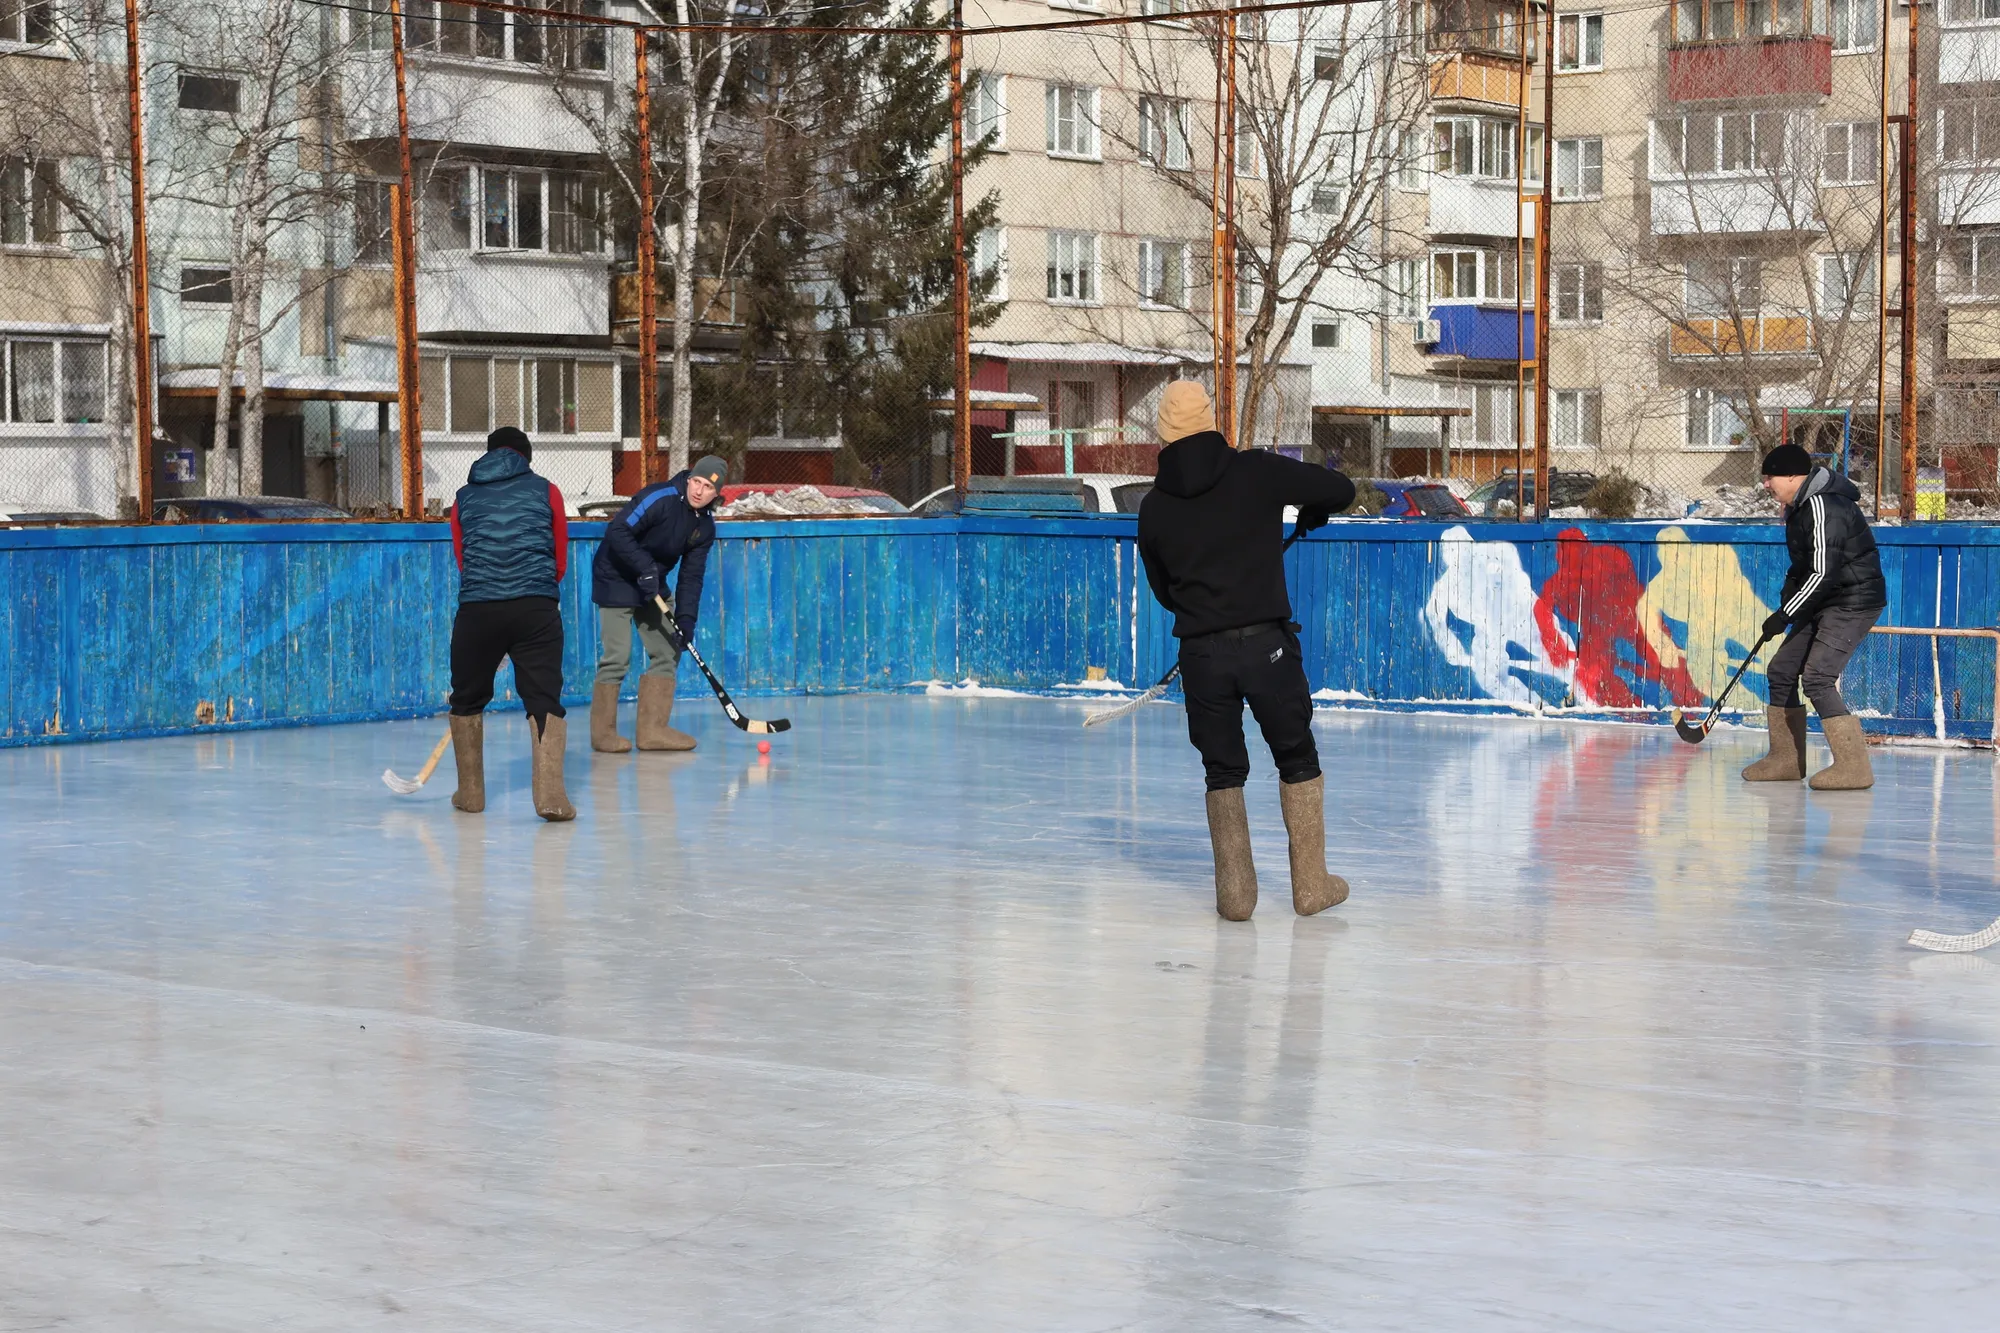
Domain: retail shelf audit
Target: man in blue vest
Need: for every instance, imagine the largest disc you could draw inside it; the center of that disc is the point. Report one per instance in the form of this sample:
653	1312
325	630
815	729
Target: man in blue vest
668	524
512	542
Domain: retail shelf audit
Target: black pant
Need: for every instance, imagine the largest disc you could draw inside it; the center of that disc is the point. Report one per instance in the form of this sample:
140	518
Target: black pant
1815	653
1219	675
527	629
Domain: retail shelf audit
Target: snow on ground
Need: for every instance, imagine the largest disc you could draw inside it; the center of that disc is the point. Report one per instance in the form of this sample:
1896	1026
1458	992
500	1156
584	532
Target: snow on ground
925	1022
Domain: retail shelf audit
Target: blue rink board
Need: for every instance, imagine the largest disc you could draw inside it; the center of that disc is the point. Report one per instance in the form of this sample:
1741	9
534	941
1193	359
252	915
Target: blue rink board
114	632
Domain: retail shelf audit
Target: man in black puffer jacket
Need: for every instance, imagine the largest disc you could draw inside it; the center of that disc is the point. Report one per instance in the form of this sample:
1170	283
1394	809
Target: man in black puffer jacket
1211	534
1832	597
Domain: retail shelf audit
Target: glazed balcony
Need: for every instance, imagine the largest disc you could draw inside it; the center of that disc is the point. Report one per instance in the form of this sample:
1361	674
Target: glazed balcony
1969	42
1749	48
1697	338
1466	78
1479	28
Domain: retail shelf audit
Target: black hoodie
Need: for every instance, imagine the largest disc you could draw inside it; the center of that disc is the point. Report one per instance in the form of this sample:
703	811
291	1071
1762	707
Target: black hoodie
1212	530
1834	565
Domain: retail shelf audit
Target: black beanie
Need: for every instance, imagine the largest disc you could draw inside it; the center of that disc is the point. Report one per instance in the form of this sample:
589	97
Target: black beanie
1787	460
511	437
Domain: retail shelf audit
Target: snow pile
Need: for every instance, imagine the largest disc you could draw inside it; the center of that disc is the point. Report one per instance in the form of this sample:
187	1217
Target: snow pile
1738	502
798	502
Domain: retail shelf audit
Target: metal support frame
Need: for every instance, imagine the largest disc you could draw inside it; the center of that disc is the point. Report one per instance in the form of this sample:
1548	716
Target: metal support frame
961	274
403	205
649	275
1907	423
1544	240
142	302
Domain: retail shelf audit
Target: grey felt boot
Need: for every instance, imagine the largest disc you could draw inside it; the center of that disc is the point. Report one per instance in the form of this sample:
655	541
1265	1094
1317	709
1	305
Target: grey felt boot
1787	760
1850	769
1313	888
1235	871
656	705
468	747
604	720
551	801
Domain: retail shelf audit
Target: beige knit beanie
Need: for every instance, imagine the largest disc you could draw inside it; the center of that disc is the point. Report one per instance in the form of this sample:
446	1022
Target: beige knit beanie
1184	411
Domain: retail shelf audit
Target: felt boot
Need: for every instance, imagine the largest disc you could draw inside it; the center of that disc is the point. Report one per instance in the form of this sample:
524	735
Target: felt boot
1313	889
1235	871
1850	770
656	705
468	747
604	720
551	801
1787	760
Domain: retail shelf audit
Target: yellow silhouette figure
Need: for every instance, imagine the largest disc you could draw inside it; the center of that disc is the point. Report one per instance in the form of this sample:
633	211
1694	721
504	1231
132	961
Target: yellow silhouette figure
1702	586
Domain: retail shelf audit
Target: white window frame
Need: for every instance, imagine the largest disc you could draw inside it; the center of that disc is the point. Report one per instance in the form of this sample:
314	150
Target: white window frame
1845	132
1080	121
1083	270
1576	419
1703	411
1845	272
1584	277
989	255
1743	270
1492	268
1982	117
1870	9
367	20
1986	11
1078	6
1409	288
38	182
1589	31
1487	143
14	30
1155	254
548	192
1335	339
58	382
1716	124
1163	9
1585	169
1249	155
1980	279
1326	200
1165	140
986	109
1413	163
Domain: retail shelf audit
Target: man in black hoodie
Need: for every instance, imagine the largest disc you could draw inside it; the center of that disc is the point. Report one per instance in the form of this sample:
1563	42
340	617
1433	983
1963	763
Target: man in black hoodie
1832	597
1211	533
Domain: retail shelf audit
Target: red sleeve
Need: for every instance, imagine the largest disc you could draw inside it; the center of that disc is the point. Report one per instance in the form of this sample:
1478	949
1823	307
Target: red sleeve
457	537
562	530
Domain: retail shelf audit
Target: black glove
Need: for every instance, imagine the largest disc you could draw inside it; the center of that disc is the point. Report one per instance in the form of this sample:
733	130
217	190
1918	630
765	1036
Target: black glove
1312	516
649	585
1775	623
685	627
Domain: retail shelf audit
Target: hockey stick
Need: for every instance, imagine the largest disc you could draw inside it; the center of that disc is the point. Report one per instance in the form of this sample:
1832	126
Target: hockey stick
1131	706
749	724
1694	733
1979	939
405	786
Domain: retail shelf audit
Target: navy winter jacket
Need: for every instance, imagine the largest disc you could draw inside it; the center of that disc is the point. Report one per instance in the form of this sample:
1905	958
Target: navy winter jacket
508	531
656	531
1834	564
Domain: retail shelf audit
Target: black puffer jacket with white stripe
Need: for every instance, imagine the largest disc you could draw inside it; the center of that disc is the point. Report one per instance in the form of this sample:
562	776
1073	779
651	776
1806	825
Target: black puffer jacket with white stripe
1834	564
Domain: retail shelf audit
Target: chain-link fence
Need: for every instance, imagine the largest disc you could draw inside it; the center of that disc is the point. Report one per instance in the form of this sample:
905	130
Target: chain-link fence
376	230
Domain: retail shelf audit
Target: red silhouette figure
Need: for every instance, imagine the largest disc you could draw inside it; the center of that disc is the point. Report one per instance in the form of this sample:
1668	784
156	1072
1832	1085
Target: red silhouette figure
1596	589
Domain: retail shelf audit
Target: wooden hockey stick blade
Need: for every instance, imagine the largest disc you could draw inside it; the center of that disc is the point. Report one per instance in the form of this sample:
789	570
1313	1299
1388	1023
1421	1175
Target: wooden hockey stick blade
1694	733
1127	708
1936	943
405	786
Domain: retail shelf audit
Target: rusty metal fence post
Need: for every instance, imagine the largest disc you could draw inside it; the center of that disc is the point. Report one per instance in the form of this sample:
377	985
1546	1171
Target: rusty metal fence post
961	276
404	255
648	369
1544	244
142	303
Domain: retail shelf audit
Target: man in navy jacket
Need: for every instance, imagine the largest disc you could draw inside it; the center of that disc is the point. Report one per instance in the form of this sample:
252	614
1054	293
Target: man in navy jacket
512	542
667	524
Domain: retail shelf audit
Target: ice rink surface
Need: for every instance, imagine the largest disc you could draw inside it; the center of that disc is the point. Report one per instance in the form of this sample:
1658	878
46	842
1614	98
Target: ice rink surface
928	1024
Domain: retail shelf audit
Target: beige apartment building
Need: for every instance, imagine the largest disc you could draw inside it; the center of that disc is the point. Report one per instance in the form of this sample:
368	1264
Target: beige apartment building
1714	211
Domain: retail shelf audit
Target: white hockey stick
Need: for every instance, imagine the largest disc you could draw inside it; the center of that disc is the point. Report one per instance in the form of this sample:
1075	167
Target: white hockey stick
405	786
1979	939
1133	705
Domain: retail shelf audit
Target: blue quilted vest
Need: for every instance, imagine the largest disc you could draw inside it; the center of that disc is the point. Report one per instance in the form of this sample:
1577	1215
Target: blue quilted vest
508	531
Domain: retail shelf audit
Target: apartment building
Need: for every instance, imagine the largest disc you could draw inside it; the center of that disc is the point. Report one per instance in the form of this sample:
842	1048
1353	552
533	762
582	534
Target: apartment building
1101	149
1713	214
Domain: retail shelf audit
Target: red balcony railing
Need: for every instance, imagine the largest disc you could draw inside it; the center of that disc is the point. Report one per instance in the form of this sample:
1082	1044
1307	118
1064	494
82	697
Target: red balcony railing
1750	67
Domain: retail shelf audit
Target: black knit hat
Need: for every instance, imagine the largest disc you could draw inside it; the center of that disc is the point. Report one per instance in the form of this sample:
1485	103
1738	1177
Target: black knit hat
1787	460
511	437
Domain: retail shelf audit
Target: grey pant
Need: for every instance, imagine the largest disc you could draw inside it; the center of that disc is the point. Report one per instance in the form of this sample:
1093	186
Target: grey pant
1813	655
614	633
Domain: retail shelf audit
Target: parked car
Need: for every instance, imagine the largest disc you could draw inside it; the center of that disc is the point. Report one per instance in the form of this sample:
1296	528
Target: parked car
1418	499
596	508
1566	490
14	511
1103	493
243	509
852	501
